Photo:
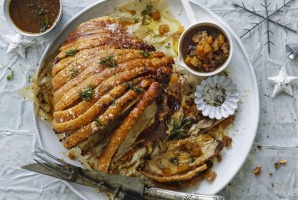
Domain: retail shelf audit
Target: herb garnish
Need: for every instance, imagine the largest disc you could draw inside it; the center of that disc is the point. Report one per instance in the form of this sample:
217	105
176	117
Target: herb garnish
98	122
177	131
86	93
73	72
11	75
132	86
146	21
168	46
136	20
192	159
157	144
174	160
180	131
146	54
40	11
148	10
187	121
44	25
151	32
109	61
71	52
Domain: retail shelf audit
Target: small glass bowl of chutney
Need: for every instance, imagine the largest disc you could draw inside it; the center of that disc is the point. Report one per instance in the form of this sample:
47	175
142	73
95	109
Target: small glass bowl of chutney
32	17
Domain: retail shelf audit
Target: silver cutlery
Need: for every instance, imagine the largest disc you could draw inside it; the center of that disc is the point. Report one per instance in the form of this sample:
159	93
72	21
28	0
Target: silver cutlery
124	188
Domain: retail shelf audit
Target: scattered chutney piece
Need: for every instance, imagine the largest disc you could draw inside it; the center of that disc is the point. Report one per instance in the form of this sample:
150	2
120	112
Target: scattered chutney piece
279	163
71	156
283	162
210	176
163	28
257	171
228	141
270	173
152	12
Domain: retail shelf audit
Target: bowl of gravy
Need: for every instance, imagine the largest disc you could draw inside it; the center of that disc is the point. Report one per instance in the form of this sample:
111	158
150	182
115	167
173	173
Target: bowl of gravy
32	17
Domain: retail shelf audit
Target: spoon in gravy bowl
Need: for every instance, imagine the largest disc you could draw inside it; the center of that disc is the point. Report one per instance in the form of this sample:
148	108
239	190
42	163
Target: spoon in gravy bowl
205	48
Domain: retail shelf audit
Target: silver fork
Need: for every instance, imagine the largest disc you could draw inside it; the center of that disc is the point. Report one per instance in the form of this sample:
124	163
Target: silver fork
75	174
124	188
70	172
65	170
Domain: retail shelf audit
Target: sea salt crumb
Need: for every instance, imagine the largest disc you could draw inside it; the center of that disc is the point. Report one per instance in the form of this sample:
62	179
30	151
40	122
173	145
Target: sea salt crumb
112	27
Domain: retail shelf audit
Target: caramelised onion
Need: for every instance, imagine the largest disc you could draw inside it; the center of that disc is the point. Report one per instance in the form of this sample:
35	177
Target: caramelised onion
181	159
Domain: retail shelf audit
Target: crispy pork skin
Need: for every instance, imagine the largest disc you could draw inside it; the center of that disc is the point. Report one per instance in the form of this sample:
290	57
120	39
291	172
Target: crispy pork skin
127	125
106	82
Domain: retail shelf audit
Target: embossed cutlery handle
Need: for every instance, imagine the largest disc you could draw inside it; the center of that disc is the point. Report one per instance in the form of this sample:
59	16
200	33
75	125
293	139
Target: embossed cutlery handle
168	194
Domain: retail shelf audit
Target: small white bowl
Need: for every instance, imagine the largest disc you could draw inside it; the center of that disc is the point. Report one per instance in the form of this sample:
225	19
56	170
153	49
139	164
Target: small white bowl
217	97
185	41
18	30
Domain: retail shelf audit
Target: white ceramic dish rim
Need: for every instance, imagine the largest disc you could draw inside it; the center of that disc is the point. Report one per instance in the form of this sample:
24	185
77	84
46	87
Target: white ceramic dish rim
256	98
18	30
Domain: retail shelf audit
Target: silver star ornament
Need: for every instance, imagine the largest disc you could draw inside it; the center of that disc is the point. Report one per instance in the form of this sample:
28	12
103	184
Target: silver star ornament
282	82
17	44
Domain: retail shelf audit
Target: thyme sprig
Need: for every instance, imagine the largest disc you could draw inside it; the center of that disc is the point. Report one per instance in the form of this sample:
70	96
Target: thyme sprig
109	61
45	24
86	93
40	11
147	10
179	131
168	46
174	160
146	54
98	122
136	20
132	86
71	52
73	72
11	75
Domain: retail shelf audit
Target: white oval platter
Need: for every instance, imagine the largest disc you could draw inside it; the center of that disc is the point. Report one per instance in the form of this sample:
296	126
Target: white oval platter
240	71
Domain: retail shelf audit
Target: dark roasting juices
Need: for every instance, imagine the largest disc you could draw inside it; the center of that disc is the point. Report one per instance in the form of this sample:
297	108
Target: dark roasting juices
34	16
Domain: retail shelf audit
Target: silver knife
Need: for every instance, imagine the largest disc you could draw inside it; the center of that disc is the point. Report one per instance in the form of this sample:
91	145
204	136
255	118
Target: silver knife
124	187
